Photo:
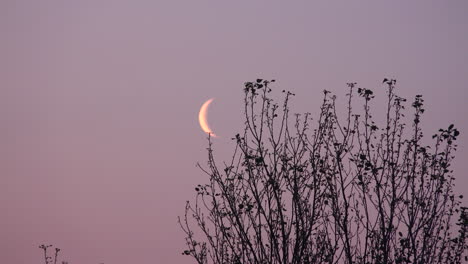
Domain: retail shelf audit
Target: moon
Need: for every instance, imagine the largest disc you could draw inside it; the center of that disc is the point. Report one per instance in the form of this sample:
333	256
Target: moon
202	118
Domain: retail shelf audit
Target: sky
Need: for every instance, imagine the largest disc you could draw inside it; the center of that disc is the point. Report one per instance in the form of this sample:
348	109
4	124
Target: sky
99	103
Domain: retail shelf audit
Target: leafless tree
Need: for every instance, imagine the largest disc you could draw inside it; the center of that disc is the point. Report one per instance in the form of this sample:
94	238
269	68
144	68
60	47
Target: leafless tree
348	191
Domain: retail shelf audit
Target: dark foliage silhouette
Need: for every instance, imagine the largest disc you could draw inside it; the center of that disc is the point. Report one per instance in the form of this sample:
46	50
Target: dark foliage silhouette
349	190
55	253
48	259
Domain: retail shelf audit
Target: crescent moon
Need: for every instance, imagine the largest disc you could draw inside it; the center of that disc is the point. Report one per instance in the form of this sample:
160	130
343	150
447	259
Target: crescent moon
202	118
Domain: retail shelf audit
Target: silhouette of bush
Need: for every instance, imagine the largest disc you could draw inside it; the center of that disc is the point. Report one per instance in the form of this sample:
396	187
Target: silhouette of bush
348	190
48	259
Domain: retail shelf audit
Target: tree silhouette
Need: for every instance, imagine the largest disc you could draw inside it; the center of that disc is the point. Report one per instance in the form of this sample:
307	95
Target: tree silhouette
349	190
48	259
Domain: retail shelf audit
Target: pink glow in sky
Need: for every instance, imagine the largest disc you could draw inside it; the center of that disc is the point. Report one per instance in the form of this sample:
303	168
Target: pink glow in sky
99	103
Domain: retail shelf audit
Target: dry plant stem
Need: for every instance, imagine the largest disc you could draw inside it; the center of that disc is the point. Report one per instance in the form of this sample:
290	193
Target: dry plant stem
47	258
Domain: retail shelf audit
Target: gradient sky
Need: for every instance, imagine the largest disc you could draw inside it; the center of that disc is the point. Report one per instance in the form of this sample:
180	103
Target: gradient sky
99	101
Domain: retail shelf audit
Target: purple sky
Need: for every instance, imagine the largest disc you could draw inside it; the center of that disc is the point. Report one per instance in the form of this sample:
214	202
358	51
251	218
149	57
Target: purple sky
99	102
